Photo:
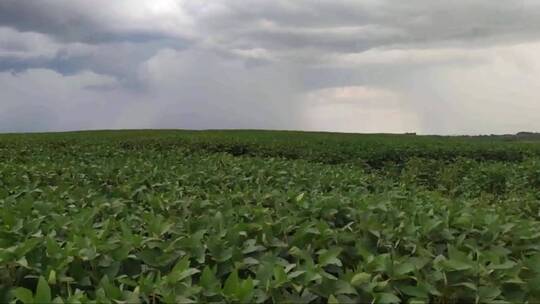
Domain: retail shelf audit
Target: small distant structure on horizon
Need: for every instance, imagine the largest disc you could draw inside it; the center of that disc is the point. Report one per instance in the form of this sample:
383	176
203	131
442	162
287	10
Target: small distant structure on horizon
527	134
521	135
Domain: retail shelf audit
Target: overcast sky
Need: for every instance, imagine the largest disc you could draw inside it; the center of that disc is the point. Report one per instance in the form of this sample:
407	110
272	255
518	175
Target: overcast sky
428	66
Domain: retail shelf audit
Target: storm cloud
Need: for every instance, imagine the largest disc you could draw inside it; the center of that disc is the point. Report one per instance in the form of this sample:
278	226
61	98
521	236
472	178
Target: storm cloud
452	67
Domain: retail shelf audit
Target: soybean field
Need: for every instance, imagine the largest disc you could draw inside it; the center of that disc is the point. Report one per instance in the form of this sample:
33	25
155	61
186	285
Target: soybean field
268	217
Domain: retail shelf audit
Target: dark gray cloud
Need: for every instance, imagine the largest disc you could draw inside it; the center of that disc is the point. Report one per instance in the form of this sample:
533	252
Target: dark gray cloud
97	21
374	65
353	26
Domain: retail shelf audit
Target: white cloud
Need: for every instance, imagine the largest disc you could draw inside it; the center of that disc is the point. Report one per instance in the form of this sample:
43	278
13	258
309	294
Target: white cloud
166	16
25	45
256	54
357	109
501	95
199	89
396	56
31	45
41	99
359	95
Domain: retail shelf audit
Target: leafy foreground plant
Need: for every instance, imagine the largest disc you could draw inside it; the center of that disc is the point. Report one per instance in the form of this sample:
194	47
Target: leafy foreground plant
100	224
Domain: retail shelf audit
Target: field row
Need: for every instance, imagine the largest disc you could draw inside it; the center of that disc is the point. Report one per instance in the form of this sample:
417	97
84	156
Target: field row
97	223
371	151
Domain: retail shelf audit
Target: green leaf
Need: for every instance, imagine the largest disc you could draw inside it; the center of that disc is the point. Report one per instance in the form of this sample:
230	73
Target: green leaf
219	252
468	285
43	291
332	300
181	265
209	282
415	291
280	276
343	287
53	249
515	280
134	297
534	285
245	292
58	300
251	246
23	262
455	265
181	271
52	277
503	266
360	278
386	298
177	277
487	293
231	285
403	268
184	300
24	295
330	257
295	274
110	289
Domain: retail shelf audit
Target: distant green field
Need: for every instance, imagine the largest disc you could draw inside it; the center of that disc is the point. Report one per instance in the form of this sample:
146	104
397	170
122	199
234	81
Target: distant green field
268	216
